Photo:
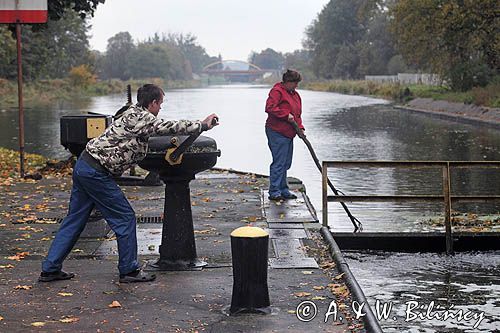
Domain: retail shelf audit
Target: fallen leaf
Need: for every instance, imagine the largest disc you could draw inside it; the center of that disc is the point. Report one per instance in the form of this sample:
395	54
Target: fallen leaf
65	294
38	324
7	266
327	265
318	287
1	318
252	218
77	251
291	311
69	320
114	304
19	287
302	294
338	277
318	298
307	272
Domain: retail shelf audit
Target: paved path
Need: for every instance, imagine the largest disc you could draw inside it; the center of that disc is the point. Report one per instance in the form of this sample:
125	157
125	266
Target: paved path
176	301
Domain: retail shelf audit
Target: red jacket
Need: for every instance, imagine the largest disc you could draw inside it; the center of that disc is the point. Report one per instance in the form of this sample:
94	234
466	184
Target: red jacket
279	105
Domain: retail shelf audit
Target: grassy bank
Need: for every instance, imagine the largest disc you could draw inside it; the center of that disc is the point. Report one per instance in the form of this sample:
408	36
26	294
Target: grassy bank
486	96
49	91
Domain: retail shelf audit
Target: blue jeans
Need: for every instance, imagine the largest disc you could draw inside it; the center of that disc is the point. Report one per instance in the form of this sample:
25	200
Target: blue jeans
95	188
282	151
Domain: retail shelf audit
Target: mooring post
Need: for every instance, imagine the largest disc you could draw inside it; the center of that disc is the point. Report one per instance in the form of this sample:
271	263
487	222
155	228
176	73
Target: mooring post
447	207
249	250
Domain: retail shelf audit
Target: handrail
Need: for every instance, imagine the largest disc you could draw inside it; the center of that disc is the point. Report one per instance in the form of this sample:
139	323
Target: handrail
446	196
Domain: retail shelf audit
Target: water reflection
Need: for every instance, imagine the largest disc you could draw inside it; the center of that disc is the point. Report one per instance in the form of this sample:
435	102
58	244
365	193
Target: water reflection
343	128
339	127
467	281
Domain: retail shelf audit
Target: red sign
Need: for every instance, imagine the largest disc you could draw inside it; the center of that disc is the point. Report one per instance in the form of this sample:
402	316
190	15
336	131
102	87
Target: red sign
23	11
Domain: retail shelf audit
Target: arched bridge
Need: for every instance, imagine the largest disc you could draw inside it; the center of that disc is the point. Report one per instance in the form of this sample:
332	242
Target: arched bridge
235	70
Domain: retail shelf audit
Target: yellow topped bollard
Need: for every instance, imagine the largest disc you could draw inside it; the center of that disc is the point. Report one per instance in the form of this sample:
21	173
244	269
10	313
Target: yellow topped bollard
249	249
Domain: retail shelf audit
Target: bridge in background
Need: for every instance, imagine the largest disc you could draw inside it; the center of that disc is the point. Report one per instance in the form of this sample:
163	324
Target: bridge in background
237	70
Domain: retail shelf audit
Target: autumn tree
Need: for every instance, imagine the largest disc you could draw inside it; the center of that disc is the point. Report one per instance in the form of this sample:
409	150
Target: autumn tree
458	39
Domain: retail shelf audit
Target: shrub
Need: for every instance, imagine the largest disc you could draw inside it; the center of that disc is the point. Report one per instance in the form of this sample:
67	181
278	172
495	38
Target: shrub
81	76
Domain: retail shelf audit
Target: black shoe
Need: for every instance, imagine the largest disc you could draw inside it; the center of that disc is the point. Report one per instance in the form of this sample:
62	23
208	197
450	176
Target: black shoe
289	195
276	198
55	276
137	276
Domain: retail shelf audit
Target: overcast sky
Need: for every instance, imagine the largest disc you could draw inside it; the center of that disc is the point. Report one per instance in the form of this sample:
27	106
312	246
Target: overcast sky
232	28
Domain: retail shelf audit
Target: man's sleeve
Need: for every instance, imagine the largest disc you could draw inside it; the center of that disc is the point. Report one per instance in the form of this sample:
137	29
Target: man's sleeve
166	127
149	125
272	105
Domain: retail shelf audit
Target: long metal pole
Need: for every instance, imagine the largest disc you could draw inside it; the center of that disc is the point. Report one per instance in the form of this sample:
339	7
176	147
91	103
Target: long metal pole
355	222
20	99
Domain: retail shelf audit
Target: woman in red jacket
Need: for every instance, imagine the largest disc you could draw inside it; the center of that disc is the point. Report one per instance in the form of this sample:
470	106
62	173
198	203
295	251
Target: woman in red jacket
283	106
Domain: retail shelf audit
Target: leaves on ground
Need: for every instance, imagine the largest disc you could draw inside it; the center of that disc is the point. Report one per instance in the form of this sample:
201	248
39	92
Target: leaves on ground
38	324
301	294
65	294
114	304
69	320
18	256
22	287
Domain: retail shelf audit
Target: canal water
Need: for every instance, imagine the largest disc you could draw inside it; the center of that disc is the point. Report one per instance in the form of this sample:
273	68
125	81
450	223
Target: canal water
342	127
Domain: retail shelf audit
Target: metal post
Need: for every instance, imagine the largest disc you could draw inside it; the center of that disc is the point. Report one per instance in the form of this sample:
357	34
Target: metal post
20	99
324	178
447	208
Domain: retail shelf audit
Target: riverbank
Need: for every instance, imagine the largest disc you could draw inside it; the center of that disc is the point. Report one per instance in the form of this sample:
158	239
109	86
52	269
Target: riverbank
44	92
460	111
488	96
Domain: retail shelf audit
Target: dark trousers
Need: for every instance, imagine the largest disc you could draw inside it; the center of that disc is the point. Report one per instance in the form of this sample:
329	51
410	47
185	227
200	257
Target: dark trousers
282	151
97	188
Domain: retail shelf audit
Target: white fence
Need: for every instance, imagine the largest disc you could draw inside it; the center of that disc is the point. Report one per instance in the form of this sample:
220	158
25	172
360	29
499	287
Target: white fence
407	78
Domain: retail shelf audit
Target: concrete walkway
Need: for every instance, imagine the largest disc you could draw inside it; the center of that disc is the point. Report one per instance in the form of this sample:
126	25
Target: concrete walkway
186	301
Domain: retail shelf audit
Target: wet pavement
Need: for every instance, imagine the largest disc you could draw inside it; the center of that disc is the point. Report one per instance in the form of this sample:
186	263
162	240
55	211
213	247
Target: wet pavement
300	268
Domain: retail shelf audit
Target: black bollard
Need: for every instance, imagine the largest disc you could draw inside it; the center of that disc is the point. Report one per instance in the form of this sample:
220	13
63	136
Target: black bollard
249	248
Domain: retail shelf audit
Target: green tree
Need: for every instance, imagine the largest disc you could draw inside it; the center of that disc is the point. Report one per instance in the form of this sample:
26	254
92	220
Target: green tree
195	54
300	60
267	59
53	51
57	8
458	39
158	59
377	46
7	54
118	51
338	27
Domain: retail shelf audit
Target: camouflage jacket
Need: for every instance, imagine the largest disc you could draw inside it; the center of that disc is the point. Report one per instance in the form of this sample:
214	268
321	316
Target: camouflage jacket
125	142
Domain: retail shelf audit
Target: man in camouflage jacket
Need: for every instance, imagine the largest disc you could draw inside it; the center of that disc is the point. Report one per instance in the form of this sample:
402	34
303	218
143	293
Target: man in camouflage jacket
122	145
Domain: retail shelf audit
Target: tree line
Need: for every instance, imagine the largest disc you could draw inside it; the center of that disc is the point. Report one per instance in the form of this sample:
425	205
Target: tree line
457	39
62	45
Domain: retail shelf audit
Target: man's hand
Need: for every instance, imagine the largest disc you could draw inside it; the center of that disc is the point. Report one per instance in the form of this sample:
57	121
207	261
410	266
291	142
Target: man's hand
290	118
210	121
302	134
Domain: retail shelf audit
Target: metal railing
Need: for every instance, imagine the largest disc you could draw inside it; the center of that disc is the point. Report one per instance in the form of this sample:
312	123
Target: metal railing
447	198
